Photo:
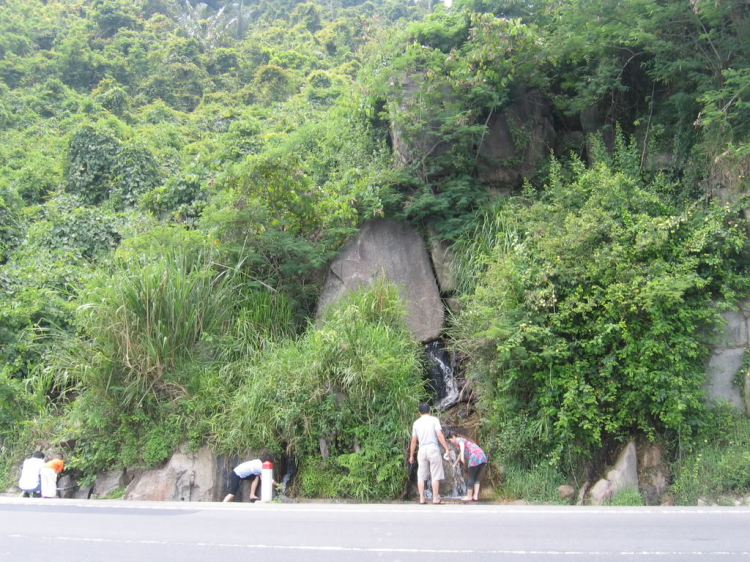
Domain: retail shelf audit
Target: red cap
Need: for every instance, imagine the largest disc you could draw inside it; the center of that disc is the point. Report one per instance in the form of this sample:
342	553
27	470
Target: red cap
267	464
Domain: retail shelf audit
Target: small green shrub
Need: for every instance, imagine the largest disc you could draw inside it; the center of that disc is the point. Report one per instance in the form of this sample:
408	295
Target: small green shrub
627	497
115	494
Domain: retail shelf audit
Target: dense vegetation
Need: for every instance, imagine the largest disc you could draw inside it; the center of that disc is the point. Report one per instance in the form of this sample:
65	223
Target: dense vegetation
174	177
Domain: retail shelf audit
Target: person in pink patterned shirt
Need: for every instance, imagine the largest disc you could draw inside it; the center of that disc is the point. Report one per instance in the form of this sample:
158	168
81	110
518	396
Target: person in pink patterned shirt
473	457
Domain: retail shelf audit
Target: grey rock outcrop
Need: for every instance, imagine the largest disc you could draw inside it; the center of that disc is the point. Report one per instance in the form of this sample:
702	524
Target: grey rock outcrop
406	110
395	251
67	487
726	360
110	481
517	140
187	476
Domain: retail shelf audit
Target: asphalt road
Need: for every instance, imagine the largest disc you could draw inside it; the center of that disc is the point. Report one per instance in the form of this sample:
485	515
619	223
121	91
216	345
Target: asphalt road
117	531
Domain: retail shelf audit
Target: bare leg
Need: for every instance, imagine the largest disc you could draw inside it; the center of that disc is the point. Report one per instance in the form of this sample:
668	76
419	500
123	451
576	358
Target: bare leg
476	490
420	487
228	498
254	487
436	491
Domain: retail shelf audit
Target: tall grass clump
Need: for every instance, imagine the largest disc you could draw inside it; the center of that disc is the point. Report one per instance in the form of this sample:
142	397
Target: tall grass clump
262	318
146	315
340	398
473	252
536	484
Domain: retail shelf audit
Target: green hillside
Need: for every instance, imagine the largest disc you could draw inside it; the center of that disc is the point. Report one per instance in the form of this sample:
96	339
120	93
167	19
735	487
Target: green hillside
175	178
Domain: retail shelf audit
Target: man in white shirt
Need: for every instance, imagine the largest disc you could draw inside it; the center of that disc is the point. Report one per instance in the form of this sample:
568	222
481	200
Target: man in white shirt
30	482
251	470
429	434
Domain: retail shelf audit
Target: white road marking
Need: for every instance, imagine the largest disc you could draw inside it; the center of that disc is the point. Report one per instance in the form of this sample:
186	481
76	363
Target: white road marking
445	509
398	550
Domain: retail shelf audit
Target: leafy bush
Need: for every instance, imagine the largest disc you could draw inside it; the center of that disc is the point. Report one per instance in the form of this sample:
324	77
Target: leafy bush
100	166
590	308
16	404
65	225
11	225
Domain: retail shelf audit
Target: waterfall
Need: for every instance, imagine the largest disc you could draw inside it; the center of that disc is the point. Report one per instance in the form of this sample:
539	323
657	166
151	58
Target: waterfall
440	373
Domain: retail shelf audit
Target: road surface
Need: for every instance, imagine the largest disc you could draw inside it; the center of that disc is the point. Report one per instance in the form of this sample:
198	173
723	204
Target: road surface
118	531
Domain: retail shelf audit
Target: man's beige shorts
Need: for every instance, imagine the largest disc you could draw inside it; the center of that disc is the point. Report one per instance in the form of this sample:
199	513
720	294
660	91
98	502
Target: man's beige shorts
430	465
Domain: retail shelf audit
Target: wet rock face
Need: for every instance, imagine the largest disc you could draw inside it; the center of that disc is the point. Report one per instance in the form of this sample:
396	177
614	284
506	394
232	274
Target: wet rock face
441	374
397	252
518	139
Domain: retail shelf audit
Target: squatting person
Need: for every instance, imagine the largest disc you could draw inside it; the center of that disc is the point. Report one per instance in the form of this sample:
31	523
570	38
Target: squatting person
250	470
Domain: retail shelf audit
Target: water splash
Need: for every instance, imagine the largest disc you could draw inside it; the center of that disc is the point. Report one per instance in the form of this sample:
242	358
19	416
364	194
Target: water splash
441	374
454	485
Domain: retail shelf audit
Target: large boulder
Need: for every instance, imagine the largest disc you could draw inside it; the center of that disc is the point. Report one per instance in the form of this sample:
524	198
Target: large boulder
601	492
566	493
187	476
517	140
624	475
395	251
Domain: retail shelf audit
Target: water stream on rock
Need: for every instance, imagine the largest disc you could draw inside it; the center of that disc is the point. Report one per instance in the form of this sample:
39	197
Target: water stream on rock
440	372
291	469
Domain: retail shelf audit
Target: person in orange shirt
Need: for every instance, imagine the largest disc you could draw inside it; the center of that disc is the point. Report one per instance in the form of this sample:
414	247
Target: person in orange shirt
48	475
